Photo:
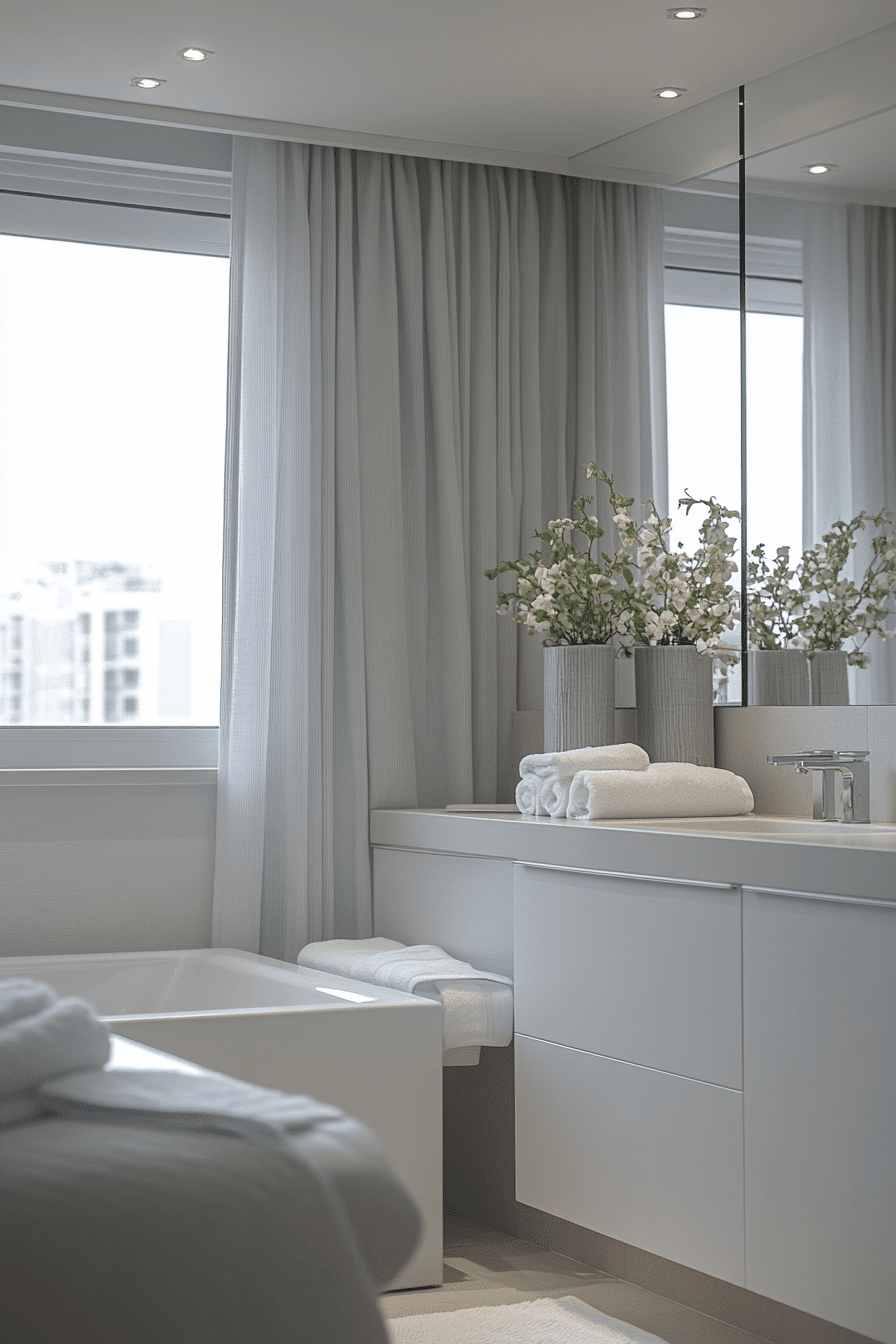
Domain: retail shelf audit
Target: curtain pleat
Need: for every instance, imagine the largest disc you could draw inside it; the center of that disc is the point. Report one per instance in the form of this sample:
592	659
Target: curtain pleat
424	356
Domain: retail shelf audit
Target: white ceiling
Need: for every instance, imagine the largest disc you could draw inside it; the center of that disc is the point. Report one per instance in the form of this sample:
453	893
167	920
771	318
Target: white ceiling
531	82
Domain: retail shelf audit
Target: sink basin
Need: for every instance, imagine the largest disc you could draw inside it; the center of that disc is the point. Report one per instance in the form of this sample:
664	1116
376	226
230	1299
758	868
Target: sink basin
804	828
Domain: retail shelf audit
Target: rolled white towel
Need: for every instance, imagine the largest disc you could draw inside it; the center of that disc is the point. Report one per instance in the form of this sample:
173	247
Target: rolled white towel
621	756
528	796
42	1037
477	1006
667	789
554	796
161	1099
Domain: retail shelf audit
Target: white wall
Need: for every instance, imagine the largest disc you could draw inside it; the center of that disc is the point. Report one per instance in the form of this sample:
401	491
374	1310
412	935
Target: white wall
745	737
113	868
119	141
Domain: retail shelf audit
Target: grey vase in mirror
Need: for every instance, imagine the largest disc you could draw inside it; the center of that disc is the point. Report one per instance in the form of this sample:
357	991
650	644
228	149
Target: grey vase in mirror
791	677
828	677
779	677
673	690
579	696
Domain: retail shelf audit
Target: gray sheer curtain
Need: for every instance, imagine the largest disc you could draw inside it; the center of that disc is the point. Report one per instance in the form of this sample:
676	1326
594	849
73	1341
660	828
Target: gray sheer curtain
849	438
424	356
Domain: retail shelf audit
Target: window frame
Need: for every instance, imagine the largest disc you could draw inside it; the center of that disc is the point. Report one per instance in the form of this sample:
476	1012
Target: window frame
120	205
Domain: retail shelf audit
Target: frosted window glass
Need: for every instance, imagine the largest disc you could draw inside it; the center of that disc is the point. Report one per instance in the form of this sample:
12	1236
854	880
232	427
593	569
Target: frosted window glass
112	412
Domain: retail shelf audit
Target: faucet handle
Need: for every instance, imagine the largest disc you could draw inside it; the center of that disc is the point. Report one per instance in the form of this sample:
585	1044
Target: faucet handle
823	763
820	756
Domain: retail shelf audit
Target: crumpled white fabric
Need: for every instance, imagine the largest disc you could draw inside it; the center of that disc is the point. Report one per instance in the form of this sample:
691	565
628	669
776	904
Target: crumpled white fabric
207	1103
42	1037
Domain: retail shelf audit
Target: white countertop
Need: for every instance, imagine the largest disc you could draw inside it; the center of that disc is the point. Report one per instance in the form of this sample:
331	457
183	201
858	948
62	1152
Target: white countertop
777	853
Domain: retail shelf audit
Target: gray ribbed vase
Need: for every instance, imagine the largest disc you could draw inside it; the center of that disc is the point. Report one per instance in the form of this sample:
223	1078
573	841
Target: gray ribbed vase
673	689
779	677
579	696
828	677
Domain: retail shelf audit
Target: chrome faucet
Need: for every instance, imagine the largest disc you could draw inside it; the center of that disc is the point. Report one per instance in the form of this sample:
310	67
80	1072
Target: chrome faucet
825	763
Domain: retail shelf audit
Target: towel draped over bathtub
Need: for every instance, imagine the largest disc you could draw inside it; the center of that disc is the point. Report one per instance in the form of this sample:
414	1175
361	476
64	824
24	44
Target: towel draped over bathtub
477	1006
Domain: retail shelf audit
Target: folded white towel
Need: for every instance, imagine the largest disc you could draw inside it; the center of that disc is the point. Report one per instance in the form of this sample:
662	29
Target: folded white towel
667	789
474	1012
621	756
42	1037
477	1006
554	796
528	796
161	1099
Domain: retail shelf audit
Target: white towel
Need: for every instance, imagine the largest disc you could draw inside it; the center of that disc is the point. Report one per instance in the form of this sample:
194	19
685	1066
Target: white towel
554	796
162	1099
477	1006
528	796
667	789
621	756
474	1012
42	1037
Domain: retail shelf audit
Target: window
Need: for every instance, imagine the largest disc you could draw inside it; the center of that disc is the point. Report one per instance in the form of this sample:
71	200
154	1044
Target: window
113	348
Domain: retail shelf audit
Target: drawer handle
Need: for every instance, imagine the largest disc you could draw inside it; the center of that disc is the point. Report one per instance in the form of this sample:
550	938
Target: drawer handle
817	896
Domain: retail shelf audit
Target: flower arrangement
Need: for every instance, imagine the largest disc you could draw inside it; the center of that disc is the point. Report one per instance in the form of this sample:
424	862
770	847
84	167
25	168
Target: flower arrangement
679	598
574	596
571	595
811	605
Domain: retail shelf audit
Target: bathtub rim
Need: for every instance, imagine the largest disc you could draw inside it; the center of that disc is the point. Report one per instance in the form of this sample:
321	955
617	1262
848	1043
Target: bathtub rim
381	996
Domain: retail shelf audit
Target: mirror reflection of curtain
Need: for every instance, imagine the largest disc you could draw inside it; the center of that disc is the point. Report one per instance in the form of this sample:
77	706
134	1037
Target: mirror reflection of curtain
424	355
849	423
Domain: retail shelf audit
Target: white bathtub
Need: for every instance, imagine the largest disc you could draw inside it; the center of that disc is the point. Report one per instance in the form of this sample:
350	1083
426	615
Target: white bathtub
376	1053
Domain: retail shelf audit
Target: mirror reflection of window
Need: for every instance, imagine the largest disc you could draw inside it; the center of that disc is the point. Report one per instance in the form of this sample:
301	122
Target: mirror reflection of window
702	328
837	189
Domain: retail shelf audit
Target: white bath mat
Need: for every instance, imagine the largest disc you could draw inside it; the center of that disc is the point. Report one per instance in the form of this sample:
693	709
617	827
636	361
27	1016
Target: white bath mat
547	1320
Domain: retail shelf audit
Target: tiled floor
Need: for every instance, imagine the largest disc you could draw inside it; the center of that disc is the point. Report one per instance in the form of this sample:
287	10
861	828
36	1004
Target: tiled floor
485	1268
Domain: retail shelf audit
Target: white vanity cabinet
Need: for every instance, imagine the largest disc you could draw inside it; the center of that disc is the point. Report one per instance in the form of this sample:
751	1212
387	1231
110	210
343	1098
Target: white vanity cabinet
820	1106
629	1109
705	1069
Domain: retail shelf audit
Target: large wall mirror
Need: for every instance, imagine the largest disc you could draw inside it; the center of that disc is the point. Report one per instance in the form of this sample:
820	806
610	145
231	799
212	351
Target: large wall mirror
820	224
819	285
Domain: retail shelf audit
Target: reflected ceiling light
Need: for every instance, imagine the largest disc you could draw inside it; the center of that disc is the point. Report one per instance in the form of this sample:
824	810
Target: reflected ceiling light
817	169
146	82
668	92
685	12
195	53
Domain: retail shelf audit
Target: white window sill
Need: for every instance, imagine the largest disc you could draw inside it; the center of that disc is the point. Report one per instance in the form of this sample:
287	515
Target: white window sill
105	751
110	776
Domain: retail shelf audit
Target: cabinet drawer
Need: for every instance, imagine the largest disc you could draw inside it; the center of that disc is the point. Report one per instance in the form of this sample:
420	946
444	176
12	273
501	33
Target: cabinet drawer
463	904
820	1107
648	972
650	1158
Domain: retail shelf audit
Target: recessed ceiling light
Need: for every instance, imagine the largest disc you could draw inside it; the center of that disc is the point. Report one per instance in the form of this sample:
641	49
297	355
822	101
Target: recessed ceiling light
667	93
818	168
686	12
195	53
146	82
